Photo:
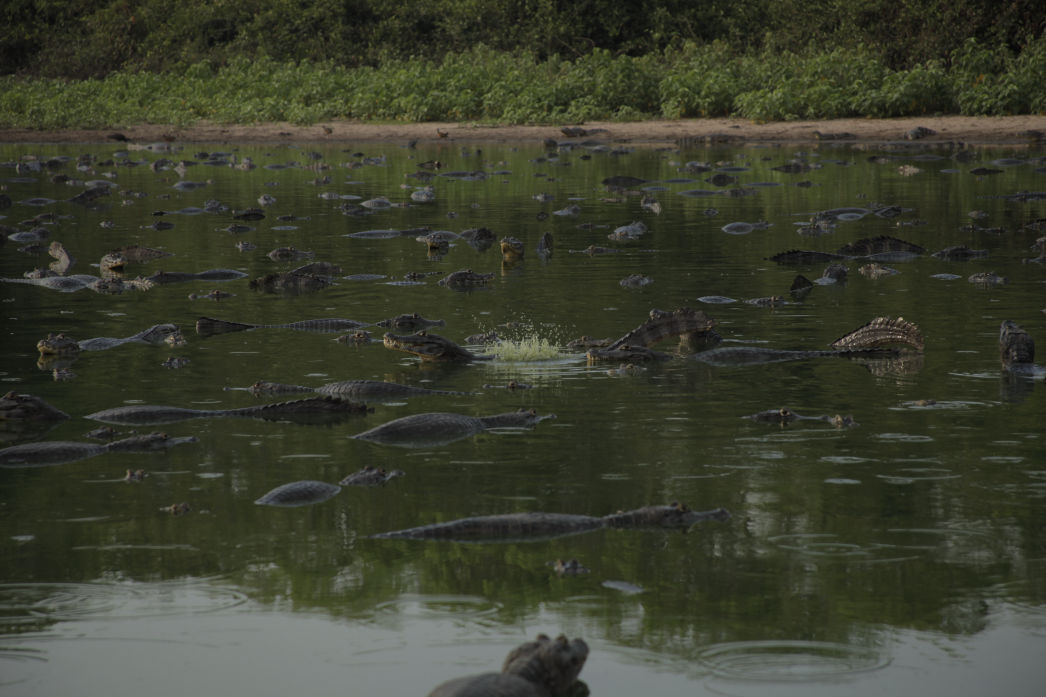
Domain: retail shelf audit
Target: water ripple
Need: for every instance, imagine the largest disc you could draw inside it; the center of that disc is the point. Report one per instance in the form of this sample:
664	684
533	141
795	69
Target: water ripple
78	601
790	661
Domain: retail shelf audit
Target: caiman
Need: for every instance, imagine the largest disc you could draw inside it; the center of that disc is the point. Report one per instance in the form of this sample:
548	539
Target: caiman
371	476
164	277
311	410
209	326
872	340
374	390
431	347
58	452
465	279
689	325
290	283
303	493
785	416
541	668
881	248
1017	351
512	249
507	527
440	428
412	322
61	345
27	407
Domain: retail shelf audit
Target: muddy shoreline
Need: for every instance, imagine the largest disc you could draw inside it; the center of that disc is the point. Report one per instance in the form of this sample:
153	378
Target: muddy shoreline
1000	130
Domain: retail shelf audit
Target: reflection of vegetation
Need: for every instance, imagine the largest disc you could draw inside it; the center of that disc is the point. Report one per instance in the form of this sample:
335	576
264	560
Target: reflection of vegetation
483	84
802	558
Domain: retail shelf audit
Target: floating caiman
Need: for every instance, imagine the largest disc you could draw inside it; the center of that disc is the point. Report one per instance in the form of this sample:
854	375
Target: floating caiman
351	389
61	345
311	410
785	416
528	526
208	326
440	428
58	452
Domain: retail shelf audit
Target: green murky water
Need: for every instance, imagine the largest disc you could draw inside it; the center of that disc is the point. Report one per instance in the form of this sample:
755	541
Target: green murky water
906	553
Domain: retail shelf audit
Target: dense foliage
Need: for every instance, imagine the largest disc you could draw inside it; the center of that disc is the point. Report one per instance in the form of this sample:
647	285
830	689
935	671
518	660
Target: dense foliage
67	38
130	61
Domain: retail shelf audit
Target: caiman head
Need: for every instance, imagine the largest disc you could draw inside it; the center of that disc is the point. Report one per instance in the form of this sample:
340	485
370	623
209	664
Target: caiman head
553	664
57	345
1015	344
26	407
428	347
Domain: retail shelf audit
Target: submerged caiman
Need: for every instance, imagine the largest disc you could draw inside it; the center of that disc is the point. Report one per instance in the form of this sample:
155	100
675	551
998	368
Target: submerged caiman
208	326
58	452
440	428
325	409
373	390
529	526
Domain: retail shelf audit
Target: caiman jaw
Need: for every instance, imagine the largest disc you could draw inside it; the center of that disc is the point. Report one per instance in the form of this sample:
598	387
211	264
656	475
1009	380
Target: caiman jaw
409	345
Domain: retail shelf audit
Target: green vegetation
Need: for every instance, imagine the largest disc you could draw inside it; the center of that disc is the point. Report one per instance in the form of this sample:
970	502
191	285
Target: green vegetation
520	61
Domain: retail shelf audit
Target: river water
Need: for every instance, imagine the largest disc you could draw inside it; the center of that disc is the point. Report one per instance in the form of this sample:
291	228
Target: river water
904	554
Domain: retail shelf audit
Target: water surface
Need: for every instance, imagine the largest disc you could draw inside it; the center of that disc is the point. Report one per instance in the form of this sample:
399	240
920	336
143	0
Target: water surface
903	554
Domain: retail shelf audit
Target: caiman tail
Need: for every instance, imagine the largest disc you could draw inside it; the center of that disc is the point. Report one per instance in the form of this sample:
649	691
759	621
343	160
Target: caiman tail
209	326
661	325
881	331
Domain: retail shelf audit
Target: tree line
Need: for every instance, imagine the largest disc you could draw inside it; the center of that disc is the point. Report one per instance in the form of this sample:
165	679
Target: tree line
76	40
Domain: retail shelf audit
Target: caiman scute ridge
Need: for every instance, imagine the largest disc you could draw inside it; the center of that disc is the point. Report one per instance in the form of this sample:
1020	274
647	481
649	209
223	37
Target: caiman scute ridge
882	331
309	409
536	525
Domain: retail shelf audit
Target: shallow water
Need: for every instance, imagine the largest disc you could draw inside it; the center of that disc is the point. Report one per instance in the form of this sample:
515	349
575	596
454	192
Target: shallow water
903	554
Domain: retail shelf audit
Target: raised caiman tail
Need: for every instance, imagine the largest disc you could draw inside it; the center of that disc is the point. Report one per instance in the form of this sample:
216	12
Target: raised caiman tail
881	331
662	325
209	326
